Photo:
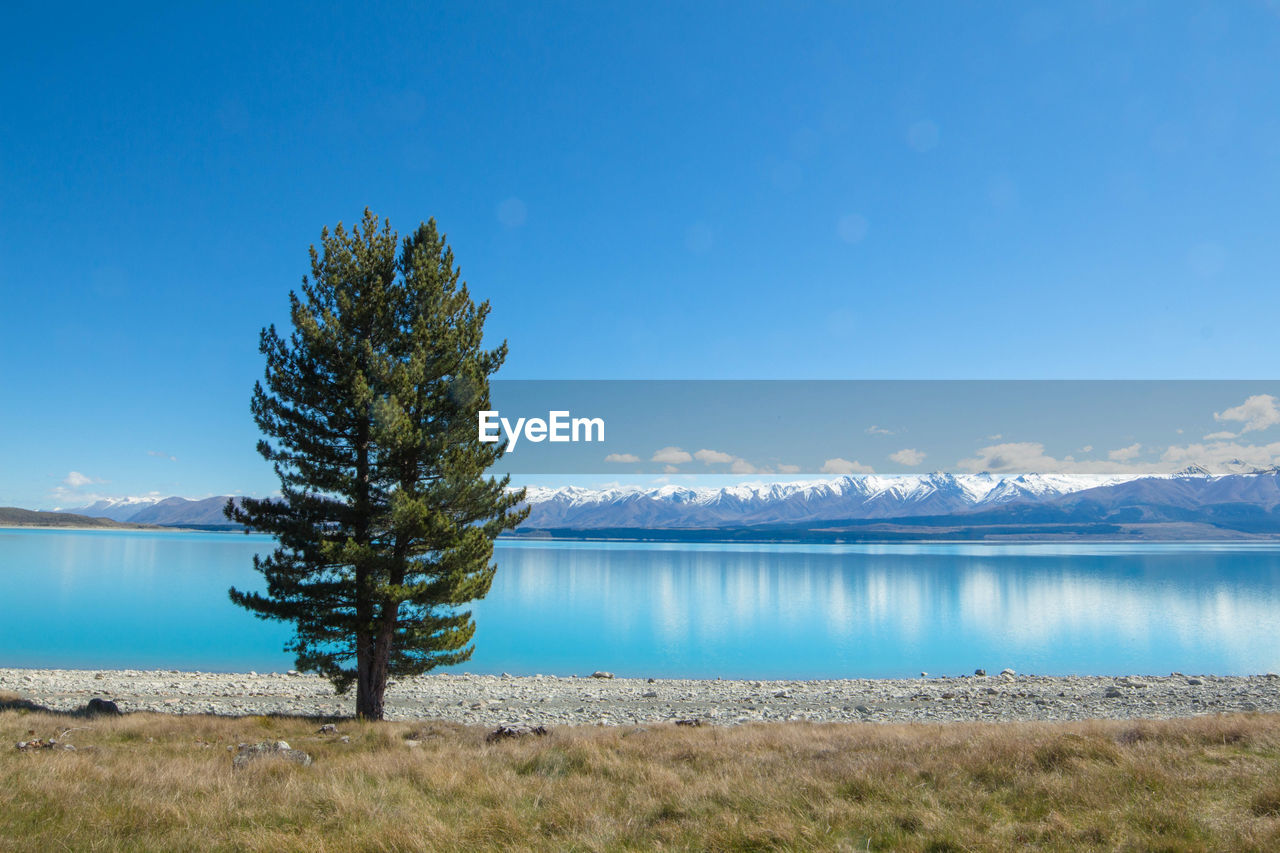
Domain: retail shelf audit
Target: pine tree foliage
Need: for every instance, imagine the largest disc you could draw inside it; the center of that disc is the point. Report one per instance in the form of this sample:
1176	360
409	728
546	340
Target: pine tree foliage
386	519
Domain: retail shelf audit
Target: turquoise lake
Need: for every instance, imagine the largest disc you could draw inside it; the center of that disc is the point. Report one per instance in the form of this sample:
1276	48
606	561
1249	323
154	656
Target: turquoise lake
145	600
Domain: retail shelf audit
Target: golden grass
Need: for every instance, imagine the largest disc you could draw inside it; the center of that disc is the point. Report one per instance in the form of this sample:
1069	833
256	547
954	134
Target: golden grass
156	782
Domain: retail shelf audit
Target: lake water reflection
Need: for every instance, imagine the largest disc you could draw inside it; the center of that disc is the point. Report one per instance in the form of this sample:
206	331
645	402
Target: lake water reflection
158	600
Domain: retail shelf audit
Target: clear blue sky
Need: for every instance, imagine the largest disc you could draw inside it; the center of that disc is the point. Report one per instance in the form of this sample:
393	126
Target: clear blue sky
646	190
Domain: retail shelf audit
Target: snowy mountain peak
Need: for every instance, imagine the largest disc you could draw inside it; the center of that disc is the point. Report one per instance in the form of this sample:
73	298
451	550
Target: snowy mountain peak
116	509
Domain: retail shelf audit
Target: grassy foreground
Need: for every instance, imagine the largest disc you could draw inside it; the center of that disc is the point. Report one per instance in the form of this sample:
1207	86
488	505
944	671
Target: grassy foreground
157	782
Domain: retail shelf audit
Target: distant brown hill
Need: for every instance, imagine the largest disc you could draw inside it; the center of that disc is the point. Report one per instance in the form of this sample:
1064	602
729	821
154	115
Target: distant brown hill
12	516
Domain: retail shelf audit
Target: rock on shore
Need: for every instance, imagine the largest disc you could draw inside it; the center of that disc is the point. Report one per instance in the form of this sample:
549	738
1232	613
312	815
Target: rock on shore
552	700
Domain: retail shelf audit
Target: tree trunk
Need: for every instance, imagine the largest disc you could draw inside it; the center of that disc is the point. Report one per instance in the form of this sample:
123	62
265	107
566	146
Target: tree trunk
373	668
371	679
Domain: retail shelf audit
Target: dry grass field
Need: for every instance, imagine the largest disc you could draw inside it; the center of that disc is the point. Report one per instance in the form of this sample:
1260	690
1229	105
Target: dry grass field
156	782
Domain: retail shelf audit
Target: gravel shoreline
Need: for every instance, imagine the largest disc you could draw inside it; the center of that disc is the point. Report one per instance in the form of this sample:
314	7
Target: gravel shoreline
553	700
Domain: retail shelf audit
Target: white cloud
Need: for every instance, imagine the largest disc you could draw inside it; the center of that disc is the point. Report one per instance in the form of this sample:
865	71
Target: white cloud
995	437
672	456
1258	412
1011	456
1220	452
908	456
788	469
1225	455
1030	457
161	454
877	430
622	457
77	480
670	469
844	466
737	465
1125	454
1027	457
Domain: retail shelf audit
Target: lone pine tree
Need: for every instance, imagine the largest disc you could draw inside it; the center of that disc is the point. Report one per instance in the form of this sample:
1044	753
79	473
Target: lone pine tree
386	519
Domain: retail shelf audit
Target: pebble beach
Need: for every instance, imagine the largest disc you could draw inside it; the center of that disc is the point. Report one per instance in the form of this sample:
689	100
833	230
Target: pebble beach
489	700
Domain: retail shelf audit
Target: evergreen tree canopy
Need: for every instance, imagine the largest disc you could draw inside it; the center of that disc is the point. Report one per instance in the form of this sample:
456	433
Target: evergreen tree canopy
386	519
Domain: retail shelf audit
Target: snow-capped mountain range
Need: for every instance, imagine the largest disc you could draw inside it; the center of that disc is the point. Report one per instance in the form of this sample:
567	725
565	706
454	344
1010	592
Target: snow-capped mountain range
1191	495
154	510
116	509
846	498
